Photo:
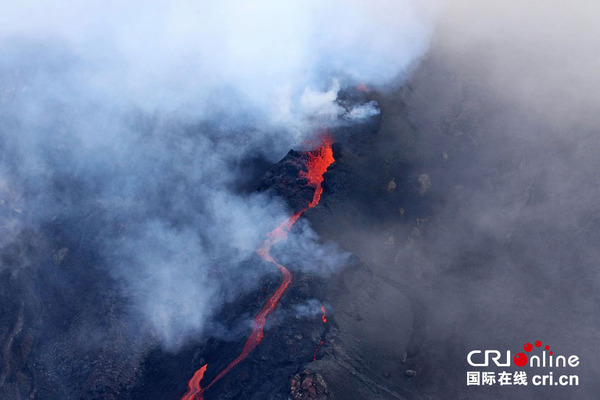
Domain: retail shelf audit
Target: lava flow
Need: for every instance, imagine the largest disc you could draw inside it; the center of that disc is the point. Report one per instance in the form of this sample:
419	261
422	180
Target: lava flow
316	165
323	314
322	342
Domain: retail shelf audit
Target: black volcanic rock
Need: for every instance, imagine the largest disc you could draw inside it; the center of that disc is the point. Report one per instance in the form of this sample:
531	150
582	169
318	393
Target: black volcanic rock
284	179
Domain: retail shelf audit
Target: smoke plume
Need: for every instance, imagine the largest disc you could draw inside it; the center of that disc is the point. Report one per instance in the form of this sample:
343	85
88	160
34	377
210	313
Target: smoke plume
126	128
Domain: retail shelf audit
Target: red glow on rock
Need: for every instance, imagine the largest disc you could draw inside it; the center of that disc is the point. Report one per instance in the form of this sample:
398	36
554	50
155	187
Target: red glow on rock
363	88
194	385
323	314
317	350
317	163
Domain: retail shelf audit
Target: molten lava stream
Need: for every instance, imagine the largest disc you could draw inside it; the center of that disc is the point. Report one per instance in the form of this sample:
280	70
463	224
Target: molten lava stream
316	165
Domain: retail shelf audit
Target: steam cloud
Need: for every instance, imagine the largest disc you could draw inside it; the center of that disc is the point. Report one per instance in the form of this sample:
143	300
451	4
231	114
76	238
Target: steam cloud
503	118
125	127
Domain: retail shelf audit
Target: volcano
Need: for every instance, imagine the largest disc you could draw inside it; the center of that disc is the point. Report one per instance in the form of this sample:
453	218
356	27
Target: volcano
459	239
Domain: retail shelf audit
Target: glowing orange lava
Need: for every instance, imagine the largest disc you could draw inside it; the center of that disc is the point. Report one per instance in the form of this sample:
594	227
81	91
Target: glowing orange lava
318	162
323	314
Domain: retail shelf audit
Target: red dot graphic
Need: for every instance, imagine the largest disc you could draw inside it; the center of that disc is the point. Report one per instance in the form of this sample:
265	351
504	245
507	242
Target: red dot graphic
550	353
547	347
528	347
538	343
520	359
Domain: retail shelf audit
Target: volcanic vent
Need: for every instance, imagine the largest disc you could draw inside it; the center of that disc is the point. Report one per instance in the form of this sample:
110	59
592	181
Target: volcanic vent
298	177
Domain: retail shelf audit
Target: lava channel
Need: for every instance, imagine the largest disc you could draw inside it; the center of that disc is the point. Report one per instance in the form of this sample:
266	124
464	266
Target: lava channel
316	165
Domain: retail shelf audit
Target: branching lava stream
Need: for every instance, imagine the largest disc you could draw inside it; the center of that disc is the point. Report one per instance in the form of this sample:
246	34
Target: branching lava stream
316	165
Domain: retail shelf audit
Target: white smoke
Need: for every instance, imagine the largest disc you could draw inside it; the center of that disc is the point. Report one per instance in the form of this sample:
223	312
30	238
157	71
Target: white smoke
139	112
190	57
